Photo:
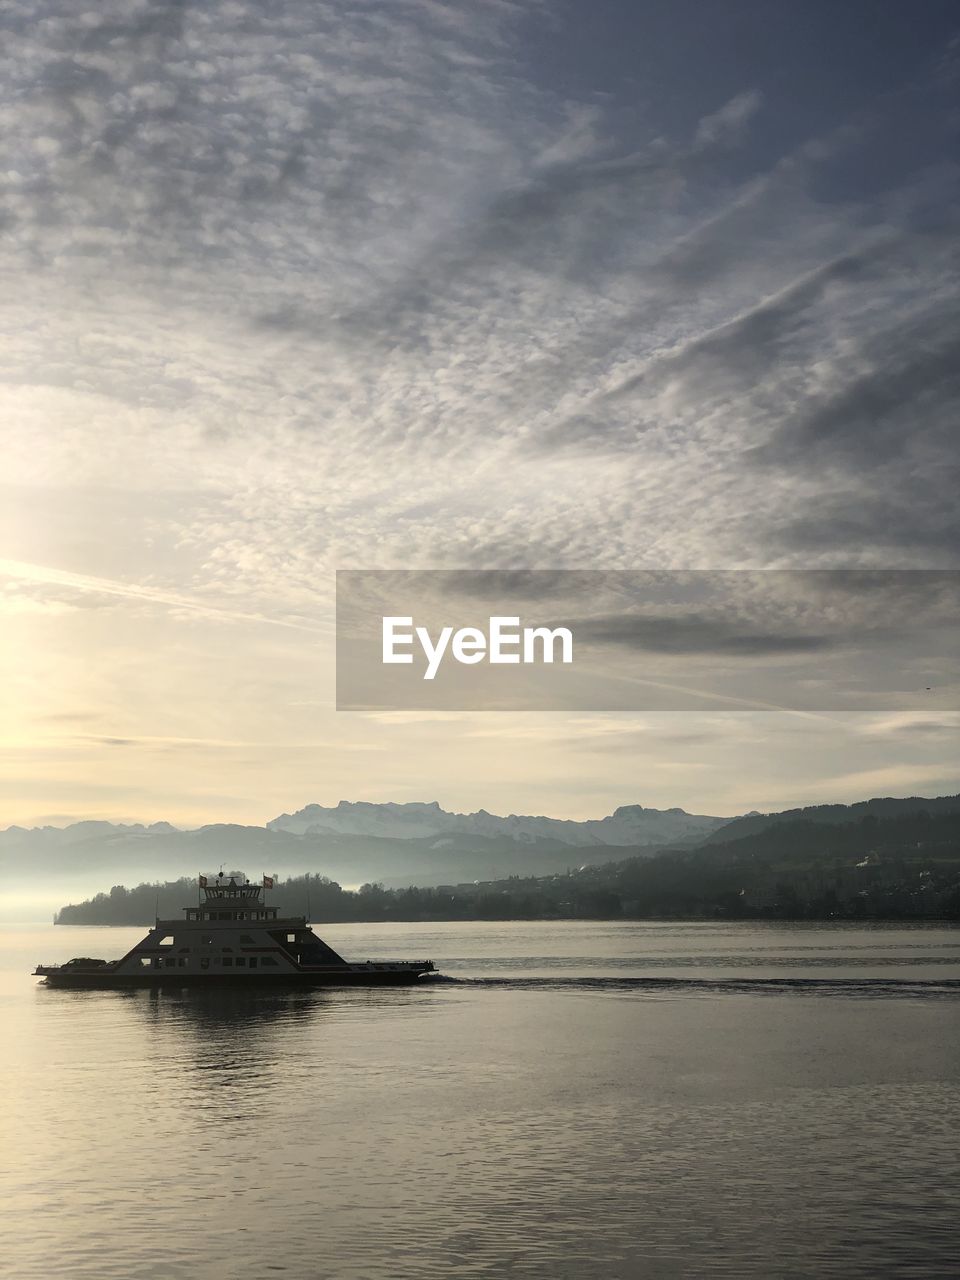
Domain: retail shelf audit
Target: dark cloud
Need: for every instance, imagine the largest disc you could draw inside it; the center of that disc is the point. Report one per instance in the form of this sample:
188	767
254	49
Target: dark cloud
743	348
905	592
907	400
696	634
921	515
747	358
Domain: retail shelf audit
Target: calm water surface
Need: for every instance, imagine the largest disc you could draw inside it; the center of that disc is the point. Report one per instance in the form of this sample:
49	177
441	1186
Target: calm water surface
578	1100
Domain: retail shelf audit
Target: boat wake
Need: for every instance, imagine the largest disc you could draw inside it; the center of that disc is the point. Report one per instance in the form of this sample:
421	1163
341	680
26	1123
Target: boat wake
615	985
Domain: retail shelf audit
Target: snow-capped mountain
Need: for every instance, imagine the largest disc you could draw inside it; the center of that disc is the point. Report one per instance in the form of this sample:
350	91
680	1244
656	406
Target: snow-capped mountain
77	833
628	825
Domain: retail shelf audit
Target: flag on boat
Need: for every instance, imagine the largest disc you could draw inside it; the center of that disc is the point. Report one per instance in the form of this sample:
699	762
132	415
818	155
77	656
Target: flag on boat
268	882
203	882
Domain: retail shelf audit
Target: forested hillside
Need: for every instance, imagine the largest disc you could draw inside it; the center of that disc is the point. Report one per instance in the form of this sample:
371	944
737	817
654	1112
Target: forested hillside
880	868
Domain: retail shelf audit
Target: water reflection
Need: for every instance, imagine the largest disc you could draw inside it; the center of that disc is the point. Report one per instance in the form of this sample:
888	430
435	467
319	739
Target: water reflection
232	1010
571	1125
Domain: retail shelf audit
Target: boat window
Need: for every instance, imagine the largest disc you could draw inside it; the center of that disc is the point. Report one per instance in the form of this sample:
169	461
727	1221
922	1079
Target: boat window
241	960
145	962
268	960
182	963
227	960
253	962
167	941
291	937
171	962
204	962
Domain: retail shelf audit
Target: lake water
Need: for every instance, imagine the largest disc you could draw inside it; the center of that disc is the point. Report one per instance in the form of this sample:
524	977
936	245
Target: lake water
579	1100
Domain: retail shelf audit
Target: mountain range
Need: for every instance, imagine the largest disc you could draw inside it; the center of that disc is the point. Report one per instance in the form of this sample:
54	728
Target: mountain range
628	825
902	864
397	844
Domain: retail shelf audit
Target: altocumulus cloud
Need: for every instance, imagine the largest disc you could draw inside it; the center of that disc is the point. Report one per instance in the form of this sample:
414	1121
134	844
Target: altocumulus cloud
355	289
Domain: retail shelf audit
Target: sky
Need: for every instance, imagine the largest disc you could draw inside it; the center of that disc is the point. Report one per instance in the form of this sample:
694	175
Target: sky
312	286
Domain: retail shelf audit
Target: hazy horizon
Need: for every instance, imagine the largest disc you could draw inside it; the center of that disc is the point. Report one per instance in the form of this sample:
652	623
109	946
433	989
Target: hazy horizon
65	820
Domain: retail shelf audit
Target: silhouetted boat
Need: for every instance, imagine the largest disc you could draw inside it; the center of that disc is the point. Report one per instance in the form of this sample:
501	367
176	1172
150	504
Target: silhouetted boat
231	937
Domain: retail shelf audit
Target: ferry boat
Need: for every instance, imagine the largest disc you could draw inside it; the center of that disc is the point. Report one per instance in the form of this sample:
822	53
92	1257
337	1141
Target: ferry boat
231	936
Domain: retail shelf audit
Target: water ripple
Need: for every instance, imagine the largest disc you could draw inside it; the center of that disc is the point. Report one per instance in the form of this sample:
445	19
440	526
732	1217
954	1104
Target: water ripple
564	1119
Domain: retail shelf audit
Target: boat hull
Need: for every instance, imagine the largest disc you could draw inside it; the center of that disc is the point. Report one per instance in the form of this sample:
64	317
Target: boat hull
382	977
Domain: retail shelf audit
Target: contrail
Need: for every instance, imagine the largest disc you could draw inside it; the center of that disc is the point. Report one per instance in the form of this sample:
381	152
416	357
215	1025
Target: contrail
752	704
109	586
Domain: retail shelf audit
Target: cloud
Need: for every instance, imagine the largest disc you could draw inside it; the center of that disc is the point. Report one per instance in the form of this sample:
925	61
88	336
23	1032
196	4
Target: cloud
905	399
926	778
361	299
85	586
918	514
322	285
696	634
727	125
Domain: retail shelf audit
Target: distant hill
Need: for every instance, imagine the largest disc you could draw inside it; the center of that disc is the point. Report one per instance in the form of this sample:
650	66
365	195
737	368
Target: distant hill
902	867
881	807
435	847
905	865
